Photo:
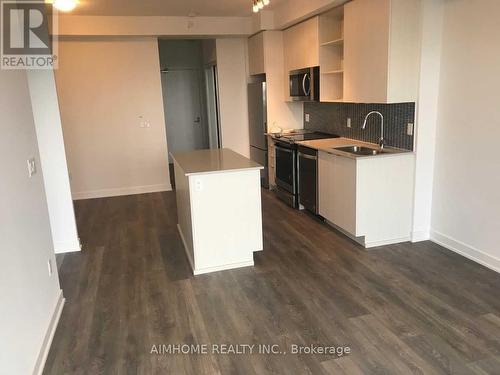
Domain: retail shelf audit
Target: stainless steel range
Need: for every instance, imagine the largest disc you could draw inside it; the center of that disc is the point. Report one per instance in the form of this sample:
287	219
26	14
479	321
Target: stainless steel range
286	163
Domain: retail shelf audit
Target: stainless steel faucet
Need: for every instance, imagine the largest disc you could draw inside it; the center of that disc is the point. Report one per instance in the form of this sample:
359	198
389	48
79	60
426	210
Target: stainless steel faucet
381	142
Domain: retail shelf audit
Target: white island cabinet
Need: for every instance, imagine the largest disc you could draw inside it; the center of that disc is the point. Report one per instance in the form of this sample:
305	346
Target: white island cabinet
219	208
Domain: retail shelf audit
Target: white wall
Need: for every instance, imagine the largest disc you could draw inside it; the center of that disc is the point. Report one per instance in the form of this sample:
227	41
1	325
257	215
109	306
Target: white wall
466	200
28	295
53	160
232	77
104	88
73	25
425	135
263	20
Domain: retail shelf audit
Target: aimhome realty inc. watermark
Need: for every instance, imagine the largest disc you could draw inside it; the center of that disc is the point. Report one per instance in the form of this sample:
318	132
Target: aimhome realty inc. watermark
26	41
248	349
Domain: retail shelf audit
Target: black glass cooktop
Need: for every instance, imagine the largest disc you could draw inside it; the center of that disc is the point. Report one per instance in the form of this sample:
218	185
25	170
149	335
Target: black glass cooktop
292	138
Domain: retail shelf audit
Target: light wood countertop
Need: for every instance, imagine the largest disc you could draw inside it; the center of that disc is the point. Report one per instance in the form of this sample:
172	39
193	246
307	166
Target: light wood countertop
329	145
213	161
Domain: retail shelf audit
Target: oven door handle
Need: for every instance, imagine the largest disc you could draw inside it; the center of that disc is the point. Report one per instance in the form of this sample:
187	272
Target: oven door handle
306	156
284	149
306	76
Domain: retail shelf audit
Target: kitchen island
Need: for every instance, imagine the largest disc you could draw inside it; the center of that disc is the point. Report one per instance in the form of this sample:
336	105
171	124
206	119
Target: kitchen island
218	208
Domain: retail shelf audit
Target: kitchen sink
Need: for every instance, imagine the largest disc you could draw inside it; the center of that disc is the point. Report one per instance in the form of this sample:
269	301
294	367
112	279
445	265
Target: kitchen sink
360	150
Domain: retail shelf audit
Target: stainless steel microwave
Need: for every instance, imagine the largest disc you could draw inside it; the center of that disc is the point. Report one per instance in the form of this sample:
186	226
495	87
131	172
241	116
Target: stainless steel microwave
304	84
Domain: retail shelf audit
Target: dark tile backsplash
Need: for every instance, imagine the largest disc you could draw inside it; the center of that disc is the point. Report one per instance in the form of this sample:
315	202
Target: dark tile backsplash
332	118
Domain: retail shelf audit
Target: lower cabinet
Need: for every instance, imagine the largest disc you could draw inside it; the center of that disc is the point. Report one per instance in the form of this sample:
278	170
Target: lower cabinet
369	198
337	190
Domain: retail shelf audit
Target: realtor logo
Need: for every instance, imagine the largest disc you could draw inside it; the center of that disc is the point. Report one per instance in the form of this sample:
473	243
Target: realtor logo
26	42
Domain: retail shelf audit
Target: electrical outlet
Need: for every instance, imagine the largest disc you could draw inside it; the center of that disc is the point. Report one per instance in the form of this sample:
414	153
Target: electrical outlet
49	264
31	167
409	129
198	185
307	117
348	122
143	123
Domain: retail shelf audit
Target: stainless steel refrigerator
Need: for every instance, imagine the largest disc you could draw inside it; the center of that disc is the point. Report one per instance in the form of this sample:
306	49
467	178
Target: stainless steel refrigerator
257	118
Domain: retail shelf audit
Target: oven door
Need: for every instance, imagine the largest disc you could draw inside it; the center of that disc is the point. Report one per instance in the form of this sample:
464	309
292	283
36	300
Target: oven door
308	179
285	168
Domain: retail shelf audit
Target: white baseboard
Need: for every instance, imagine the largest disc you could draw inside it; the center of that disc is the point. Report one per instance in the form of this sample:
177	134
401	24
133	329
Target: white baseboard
420	235
103	193
391	241
225	267
67	246
467	251
49	335
366	243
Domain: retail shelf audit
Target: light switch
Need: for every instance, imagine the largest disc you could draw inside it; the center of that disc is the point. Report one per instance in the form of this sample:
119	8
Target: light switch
143	123
31	167
49	265
409	129
307	117
349	122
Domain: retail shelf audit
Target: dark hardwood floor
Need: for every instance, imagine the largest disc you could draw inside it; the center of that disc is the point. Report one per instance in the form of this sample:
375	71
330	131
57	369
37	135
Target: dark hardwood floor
402	309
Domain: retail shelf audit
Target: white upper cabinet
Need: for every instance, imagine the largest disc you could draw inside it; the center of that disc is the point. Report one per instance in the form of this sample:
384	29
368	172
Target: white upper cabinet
367	51
301	45
266	56
256	64
381	50
337	190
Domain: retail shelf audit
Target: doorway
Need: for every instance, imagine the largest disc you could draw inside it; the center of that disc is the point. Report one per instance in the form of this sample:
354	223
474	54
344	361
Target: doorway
182	97
190	97
212	95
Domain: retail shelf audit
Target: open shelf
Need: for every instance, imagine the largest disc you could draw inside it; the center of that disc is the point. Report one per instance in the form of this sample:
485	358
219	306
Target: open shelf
333	101
331	26
333	72
335	42
331	87
331	55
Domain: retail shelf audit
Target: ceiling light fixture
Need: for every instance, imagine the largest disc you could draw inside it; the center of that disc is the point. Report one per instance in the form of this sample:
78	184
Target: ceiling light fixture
259	4
63	5
255	7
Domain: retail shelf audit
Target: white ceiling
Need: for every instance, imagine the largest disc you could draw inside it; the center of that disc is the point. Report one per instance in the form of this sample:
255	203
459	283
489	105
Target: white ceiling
221	8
